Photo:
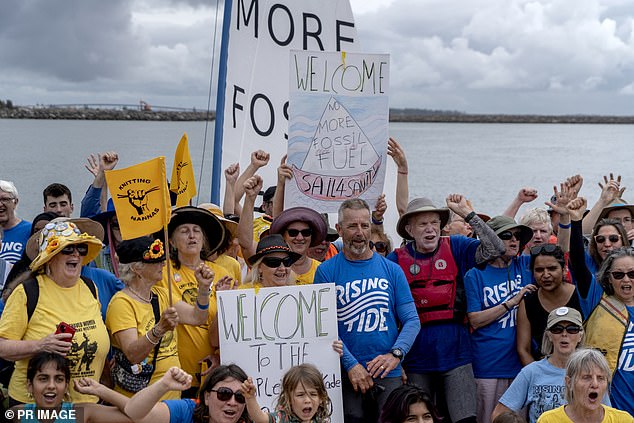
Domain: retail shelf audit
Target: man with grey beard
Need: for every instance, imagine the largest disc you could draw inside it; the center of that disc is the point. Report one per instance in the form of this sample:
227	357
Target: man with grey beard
373	301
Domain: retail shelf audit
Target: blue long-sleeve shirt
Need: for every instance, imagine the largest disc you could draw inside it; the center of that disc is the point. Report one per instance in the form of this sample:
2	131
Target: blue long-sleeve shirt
372	299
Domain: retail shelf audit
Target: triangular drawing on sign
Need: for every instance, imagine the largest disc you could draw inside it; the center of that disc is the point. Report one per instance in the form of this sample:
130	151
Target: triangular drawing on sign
339	145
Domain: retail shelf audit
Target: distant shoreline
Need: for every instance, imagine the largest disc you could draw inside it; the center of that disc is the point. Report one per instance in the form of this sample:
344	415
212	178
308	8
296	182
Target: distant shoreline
396	115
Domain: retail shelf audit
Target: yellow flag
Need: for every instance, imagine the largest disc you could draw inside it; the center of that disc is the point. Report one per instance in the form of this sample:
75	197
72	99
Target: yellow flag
140	197
183	182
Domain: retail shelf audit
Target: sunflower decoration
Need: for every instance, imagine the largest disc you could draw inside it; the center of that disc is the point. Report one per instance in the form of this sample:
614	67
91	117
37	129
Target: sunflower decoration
155	251
53	243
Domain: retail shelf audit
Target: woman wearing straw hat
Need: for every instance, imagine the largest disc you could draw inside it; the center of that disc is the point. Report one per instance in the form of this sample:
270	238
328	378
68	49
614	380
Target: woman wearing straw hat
138	337
194	234
63	297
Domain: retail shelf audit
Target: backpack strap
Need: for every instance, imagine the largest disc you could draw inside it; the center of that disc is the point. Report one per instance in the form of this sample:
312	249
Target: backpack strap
32	290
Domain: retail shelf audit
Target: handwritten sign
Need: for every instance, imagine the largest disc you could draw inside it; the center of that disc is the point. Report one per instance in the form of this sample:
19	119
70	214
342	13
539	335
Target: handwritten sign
268	332
338	128
260	35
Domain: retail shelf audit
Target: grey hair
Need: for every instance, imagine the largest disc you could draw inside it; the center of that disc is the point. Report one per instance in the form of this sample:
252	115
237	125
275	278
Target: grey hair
352	204
547	344
584	360
9	187
127	271
536	215
603	275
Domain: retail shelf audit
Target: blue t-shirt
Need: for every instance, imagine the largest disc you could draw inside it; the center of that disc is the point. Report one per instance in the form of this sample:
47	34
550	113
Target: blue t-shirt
14	241
372	299
622	390
440	347
107	285
494	350
181	411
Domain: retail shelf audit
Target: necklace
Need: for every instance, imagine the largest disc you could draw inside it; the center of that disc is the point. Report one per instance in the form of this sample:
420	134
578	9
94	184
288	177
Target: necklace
140	297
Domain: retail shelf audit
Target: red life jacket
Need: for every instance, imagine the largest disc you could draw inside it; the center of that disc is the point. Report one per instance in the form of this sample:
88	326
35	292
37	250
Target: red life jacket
433	282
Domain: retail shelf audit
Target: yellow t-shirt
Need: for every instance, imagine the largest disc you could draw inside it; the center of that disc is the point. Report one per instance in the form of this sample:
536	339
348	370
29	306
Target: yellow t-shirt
231	265
308	277
76	306
193	341
124	312
612	415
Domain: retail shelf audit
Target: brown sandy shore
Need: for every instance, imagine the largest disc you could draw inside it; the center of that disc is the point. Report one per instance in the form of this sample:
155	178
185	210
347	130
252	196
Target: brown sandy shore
396	115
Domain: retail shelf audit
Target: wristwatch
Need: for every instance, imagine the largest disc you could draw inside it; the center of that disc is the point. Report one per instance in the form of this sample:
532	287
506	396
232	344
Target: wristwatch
397	352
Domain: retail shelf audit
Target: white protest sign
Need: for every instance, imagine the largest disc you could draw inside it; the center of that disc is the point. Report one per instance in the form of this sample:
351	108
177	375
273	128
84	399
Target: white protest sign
261	34
338	128
268	332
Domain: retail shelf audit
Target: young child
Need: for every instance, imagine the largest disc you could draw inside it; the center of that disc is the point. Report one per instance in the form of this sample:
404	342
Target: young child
303	398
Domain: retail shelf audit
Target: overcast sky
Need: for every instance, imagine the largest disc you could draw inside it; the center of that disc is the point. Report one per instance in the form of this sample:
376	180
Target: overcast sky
478	56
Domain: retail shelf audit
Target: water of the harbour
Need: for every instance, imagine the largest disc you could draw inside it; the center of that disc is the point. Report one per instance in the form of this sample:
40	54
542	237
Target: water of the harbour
486	162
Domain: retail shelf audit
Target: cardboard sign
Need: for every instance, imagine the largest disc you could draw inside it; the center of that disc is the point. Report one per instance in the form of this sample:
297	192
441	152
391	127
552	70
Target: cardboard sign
338	128
269	331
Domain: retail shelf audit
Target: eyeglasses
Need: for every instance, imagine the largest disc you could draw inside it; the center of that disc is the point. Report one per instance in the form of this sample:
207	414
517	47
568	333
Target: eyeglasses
294	232
571	329
507	235
543	248
225	394
274	262
600	239
618	275
380	246
82	249
6	200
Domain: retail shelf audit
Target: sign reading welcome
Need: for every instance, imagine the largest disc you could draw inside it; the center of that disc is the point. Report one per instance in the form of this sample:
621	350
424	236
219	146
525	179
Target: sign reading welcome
269	331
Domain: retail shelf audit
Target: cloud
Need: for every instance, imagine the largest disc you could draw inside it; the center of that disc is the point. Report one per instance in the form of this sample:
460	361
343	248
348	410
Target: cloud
499	56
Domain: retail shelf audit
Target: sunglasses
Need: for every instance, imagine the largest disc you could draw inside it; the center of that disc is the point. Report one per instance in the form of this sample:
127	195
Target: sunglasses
294	232
544	248
600	239
379	247
571	329
225	394
82	249
507	235
274	262
618	275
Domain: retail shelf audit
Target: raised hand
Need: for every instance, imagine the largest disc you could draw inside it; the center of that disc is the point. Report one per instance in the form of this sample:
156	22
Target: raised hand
231	173
260	158
395	151
576	208
284	171
204	276
458	204
176	379
527	194
379	208
253	186
610	188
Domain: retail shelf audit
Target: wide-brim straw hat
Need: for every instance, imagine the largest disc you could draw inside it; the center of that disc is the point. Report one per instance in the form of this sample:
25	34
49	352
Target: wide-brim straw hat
272	244
500	224
213	229
416	206
301	214
230	225
60	233
619	203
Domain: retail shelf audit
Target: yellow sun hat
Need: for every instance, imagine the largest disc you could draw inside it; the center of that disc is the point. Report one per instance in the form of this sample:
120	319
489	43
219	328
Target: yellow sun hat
55	236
